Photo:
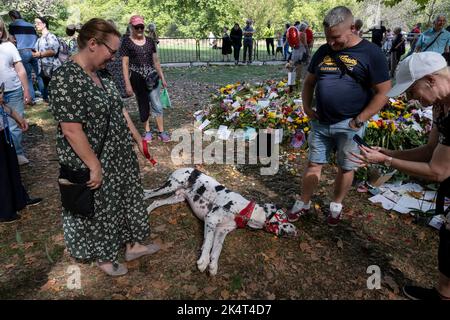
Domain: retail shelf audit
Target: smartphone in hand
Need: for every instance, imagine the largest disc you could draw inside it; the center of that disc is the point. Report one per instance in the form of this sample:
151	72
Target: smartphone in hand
360	141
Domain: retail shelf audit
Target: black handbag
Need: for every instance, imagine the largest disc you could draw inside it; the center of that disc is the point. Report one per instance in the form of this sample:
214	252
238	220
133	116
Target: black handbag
76	196
152	80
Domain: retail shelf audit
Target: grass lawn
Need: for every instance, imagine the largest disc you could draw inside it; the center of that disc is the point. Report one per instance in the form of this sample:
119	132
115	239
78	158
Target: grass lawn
221	75
186	50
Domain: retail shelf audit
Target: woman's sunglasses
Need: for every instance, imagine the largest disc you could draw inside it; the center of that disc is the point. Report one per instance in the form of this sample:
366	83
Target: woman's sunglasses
139	27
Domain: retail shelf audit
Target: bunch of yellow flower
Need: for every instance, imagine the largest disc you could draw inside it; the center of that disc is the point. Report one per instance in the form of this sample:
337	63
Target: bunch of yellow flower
398	104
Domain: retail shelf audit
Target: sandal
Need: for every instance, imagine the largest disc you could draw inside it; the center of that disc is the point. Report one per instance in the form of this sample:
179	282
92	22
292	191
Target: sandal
113	269
151	248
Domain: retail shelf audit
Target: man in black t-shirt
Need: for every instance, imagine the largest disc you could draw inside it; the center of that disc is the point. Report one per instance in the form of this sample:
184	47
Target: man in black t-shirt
350	77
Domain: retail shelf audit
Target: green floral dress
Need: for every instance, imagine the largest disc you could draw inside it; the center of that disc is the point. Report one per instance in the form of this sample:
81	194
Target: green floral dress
120	215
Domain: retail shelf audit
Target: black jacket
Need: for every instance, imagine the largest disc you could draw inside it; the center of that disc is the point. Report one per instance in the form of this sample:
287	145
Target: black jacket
236	37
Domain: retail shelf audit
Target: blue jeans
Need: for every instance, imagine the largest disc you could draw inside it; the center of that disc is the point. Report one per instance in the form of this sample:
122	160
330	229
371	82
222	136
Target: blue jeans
14	100
286	51
324	139
155	102
30	64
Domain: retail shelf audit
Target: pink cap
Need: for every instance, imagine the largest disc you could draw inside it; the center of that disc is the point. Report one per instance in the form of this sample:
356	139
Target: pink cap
136	20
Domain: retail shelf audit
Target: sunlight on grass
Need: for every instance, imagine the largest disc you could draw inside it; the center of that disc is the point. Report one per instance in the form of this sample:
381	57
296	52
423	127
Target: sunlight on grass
221	75
39	114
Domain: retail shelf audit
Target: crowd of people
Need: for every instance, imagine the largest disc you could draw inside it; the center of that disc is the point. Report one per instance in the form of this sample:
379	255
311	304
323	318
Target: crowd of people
236	38
348	76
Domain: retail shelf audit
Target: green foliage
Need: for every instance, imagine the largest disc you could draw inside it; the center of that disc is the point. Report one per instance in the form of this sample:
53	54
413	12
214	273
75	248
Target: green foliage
314	11
196	18
391	3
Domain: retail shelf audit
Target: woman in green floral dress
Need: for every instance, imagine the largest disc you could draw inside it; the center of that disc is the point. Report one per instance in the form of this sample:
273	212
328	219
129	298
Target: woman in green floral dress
83	101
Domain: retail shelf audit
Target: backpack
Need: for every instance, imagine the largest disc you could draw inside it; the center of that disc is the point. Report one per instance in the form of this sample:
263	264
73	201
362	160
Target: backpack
63	50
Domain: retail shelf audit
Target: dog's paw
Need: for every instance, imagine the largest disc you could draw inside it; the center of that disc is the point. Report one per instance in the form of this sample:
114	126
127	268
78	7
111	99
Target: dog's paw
213	269
202	264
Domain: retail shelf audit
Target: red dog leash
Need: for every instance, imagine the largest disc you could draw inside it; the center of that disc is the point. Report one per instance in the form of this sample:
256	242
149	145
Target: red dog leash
146	153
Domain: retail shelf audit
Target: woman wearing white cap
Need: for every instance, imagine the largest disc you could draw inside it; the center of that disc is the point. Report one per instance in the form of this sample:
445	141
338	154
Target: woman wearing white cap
426	78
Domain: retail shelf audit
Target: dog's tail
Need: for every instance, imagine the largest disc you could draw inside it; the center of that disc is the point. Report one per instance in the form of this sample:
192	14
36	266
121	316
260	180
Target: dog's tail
181	178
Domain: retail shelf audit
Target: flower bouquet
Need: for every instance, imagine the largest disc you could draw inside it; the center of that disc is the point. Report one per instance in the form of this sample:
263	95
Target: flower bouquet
266	105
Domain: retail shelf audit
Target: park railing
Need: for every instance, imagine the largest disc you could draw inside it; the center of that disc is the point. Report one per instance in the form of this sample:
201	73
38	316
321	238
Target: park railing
186	50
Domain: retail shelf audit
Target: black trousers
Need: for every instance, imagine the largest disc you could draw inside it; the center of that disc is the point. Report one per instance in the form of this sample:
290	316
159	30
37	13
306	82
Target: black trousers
46	81
248	48
444	251
140	90
269	42
13	196
236	51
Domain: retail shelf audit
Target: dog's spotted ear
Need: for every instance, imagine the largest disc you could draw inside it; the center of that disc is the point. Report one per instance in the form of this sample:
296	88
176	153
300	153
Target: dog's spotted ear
269	209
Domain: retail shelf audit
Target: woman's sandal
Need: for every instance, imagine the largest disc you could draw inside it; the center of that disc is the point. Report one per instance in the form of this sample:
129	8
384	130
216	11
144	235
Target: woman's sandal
151	248
113	269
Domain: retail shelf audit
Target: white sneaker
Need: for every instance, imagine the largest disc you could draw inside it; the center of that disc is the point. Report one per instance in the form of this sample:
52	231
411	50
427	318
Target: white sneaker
22	160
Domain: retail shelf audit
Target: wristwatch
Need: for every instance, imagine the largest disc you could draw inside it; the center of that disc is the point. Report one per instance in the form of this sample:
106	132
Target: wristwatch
388	162
358	123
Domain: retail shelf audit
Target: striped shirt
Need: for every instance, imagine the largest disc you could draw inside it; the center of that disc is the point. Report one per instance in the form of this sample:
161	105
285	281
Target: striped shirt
24	32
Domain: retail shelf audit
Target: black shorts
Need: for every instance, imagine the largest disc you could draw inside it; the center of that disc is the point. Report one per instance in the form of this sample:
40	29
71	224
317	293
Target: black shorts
444	251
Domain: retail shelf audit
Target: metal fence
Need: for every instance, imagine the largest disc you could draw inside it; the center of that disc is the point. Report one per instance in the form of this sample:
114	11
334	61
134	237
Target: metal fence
176	50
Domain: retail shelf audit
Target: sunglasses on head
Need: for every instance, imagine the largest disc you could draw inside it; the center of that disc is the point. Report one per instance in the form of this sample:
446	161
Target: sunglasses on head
139	27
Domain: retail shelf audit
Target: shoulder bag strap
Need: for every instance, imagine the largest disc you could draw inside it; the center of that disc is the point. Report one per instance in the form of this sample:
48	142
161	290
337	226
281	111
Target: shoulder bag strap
431	43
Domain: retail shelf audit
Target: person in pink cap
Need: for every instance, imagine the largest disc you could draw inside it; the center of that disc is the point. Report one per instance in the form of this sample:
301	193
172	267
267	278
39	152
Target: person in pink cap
142	73
425	77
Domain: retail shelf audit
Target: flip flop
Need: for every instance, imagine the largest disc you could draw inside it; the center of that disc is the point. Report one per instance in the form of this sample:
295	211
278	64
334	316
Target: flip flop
151	249
113	271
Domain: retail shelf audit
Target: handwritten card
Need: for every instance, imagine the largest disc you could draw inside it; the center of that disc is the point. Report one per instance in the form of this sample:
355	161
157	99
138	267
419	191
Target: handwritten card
223	133
273	95
291	78
204	124
236	104
263	103
278	136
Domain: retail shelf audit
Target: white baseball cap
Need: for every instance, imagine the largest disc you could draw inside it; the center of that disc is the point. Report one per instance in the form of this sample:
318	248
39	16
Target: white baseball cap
415	67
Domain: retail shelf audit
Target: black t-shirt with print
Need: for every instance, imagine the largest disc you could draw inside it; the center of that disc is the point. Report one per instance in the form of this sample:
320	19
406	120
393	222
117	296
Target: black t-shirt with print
339	96
139	55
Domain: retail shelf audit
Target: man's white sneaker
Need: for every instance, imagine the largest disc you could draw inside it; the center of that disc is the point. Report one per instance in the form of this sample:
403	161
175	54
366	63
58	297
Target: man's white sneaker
22	160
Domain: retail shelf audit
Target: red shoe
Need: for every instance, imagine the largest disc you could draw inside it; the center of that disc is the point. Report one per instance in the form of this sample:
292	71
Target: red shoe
294	216
332	221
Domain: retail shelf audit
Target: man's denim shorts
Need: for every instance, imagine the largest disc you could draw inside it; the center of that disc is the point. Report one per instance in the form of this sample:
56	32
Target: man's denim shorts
325	139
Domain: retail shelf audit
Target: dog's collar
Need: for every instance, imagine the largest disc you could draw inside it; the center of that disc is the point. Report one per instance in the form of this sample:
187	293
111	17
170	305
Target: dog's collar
242	217
273	222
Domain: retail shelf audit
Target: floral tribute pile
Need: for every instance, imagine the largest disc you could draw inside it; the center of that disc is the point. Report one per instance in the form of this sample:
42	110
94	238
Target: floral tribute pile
401	124
266	105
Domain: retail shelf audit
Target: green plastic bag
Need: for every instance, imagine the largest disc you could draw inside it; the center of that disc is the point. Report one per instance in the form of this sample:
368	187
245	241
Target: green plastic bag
165	100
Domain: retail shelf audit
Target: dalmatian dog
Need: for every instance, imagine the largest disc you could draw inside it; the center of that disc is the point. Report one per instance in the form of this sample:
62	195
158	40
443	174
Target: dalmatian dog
221	209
